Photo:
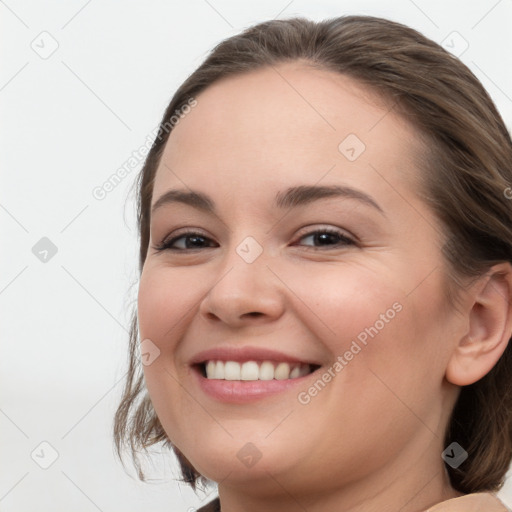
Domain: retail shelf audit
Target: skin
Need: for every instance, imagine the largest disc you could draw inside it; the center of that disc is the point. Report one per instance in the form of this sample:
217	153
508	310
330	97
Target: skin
372	438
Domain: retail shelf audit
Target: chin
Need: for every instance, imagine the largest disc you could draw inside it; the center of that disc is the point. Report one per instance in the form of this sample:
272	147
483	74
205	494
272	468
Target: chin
239	462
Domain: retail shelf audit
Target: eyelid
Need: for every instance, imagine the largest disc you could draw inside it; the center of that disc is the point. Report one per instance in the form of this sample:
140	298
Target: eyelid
312	228
179	233
184	231
305	232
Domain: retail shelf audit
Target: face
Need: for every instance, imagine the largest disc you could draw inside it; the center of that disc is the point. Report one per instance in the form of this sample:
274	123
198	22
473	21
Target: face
313	267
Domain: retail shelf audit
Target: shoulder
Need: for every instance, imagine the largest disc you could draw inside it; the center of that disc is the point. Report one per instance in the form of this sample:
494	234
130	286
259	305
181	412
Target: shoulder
478	502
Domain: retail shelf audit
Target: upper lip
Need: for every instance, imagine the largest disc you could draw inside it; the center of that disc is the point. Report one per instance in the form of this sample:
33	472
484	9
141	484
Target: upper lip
242	354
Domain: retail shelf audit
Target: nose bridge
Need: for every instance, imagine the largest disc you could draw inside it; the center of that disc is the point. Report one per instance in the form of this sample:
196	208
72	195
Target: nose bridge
245	268
245	284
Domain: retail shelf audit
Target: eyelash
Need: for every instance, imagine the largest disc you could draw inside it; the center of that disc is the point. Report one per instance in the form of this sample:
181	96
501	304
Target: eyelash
166	245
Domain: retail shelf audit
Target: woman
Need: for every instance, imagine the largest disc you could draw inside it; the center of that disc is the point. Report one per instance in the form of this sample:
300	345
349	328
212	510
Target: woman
324	307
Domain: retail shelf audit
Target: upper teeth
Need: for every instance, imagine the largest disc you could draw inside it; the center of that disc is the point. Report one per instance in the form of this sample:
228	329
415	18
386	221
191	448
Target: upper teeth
251	370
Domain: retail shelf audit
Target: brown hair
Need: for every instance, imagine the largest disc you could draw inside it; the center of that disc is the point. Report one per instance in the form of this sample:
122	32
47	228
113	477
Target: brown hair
466	169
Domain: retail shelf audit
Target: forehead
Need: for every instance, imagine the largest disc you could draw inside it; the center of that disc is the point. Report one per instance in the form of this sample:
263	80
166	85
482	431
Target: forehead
283	124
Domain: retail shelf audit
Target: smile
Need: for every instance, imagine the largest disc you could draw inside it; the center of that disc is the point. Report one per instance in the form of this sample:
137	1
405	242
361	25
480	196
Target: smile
242	374
253	370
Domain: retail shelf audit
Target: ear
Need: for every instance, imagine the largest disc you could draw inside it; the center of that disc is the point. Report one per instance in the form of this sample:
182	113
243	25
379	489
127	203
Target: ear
490	327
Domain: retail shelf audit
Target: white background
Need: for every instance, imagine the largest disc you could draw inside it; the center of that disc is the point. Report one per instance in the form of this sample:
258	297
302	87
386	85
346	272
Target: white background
68	122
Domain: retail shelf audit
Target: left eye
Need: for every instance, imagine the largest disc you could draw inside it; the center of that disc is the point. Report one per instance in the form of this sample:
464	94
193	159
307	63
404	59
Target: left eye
328	238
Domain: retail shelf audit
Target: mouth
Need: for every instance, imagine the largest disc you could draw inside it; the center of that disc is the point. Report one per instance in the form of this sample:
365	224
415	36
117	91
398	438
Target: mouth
250	371
239	375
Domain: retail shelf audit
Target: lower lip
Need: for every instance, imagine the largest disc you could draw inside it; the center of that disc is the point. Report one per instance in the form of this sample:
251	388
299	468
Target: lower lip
235	391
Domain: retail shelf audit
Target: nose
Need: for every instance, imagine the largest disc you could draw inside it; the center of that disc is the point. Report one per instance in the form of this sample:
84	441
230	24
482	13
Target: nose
244	293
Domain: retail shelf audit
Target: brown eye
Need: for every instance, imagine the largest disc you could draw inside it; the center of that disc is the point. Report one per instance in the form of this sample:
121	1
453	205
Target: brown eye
328	238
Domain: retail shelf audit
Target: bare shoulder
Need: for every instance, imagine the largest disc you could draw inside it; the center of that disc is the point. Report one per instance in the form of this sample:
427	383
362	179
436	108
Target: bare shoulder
478	502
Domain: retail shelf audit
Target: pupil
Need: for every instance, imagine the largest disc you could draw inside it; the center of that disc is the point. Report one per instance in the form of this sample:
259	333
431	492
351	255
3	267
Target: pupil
323	237
194	240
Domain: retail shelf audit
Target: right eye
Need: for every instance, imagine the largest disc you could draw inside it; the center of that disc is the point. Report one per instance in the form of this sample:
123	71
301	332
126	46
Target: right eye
190	240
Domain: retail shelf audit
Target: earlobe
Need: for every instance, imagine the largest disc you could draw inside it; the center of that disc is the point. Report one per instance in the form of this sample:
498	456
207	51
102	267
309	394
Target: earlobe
490	327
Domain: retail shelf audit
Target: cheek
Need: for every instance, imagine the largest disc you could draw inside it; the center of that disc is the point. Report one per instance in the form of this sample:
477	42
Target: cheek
352	303
385	380
168	302
165	300
380	323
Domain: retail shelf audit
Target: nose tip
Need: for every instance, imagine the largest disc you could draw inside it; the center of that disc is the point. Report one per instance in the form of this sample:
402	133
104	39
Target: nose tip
248	291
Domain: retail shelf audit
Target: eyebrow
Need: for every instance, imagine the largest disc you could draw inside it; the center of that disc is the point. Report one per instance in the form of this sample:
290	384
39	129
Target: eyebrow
290	198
